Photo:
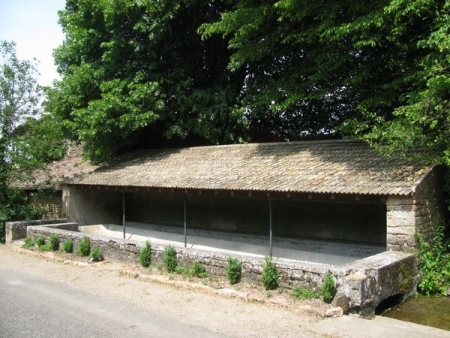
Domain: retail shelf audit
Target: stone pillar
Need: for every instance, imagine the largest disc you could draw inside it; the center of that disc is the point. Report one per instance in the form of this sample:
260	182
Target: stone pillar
401	223
415	214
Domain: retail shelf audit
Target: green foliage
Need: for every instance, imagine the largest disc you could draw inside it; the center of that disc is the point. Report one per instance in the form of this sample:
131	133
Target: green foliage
19	99
136	68
197	270
301	293
234	270
40	241
18	207
54	243
434	259
28	243
170	258
328	290
269	275
145	255
182	270
68	246
96	254
84	247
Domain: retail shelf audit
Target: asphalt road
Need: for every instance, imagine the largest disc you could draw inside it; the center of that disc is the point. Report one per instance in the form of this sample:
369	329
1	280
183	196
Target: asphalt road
43	297
34	307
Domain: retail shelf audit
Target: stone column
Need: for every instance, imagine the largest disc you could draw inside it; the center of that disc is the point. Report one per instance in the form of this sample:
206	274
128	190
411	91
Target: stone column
401	223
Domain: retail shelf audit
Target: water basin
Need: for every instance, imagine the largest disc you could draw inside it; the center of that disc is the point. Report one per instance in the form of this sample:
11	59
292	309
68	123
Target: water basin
430	311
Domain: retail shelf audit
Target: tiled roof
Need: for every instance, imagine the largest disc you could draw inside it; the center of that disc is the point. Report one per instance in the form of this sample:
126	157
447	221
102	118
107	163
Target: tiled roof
336	166
54	173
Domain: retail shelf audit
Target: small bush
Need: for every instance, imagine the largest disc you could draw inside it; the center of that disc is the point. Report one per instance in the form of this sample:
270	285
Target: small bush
145	255
301	293
40	241
170	258
328	290
84	247
182	270
197	270
68	246
434	260
96	254
234	270
269	275
28	243
54	243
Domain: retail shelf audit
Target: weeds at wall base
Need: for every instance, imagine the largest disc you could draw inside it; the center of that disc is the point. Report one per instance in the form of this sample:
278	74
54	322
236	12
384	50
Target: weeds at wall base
434	257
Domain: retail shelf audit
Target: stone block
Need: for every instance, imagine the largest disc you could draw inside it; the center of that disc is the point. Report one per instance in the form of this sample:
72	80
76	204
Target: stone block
334	312
341	301
408	231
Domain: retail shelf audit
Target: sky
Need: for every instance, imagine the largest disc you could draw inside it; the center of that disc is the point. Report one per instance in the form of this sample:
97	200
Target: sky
33	26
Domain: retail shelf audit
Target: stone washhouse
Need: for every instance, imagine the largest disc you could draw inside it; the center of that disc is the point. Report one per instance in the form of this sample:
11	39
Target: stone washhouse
315	206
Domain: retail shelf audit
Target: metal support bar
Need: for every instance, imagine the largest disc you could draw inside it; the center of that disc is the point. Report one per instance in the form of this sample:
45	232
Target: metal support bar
123	214
185	221
270	226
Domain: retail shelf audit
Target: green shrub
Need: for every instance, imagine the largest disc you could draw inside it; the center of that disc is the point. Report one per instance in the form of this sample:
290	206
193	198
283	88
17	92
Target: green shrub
54	243
68	246
28	244
145	255
434	262
96	254
40	241
233	269
269	275
197	270
170	258
328	290
182	270
84	247
301	293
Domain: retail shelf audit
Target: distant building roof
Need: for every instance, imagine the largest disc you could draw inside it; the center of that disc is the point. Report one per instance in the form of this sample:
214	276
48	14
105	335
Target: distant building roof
53	174
336	166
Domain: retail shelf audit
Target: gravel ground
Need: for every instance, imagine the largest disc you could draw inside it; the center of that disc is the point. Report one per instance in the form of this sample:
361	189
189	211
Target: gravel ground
241	310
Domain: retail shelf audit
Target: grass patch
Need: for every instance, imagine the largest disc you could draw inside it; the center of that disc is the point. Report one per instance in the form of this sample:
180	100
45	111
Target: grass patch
29	243
302	293
196	270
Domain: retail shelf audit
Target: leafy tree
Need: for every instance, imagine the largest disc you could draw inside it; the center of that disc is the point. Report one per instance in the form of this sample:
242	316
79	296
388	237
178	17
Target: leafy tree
420	129
137	72
315	68
19	99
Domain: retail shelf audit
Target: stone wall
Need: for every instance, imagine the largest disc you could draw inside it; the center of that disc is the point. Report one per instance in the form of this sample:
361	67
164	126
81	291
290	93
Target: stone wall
50	204
430	206
18	230
401	223
409	215
367	282
364	283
